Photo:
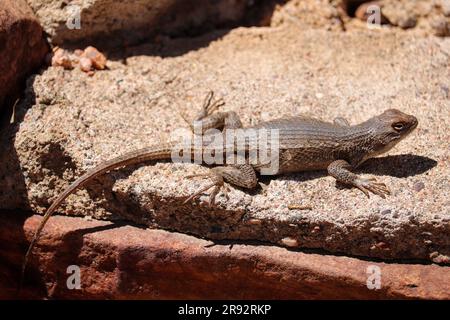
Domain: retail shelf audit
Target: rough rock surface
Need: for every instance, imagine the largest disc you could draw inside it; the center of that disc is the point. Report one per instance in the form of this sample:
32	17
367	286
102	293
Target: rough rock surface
22	47
424	14
124	262
70	122
112	23
422	17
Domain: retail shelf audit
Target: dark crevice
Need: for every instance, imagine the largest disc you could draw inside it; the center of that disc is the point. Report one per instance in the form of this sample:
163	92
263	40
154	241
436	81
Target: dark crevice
350	6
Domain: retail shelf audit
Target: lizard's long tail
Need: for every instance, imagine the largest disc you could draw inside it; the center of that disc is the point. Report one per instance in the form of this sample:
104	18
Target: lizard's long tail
160	152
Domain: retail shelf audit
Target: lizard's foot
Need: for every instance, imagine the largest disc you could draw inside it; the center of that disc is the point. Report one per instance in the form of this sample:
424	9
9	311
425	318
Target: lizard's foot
216	184
209	106
367	185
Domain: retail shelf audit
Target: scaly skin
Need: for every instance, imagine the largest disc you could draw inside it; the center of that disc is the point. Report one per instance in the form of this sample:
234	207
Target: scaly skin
304	144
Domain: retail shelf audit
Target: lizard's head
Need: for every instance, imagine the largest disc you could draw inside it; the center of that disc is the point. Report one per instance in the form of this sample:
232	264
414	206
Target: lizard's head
390	127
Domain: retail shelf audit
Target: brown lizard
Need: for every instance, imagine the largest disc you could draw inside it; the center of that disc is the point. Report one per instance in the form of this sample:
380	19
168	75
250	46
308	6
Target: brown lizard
304	144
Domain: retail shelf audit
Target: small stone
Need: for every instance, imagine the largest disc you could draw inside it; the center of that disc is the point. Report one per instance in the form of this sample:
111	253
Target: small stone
418	186
254	221
85	64
61	58
439	258
290	242
385	212
382	245
446	90
98	59
407	22
441	27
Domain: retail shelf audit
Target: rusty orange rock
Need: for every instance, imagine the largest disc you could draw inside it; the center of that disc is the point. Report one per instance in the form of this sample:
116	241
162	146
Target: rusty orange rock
61	58
85	64
98	59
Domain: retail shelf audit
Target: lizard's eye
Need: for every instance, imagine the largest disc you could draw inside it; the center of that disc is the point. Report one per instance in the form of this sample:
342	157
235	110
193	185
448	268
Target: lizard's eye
398	126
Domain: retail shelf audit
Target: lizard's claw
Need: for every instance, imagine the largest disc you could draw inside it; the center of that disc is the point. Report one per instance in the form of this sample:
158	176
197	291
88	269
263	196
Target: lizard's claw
210	106
214	106
371	184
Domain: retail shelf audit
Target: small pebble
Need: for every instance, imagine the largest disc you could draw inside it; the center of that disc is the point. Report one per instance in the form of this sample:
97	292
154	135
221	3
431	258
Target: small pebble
61	59
98	59
254	221
418	186
290	242
85	64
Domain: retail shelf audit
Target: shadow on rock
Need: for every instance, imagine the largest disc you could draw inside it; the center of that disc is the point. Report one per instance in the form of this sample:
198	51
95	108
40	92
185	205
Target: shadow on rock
171	37
400	166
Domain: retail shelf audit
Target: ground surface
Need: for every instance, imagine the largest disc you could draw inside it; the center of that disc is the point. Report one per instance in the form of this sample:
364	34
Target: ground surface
70	121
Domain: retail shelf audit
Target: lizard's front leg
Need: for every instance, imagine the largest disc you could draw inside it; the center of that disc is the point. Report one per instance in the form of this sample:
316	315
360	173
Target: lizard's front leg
340	170
209	118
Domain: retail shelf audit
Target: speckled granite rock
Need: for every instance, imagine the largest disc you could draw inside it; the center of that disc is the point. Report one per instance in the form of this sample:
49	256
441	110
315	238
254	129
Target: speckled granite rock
420	16
22	47
125	262
72	121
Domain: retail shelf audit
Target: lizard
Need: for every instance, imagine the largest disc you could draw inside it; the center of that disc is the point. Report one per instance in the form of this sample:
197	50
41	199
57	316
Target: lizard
304	144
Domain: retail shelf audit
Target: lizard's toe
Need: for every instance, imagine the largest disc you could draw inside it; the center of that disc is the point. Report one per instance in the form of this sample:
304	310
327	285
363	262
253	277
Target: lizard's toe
216	184
367	185
199	192
212	195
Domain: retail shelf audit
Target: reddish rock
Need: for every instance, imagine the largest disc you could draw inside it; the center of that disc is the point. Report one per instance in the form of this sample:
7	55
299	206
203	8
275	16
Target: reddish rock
85	64
97	58
120	261
61	58
22	47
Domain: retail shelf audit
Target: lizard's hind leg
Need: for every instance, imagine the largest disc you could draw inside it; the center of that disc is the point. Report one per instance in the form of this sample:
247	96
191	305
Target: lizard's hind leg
240	175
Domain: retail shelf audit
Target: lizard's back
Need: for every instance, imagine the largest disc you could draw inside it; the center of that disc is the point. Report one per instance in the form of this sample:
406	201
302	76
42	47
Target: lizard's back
306	144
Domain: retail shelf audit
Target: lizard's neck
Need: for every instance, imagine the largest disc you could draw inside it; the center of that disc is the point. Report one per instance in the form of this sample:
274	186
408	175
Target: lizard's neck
365	142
